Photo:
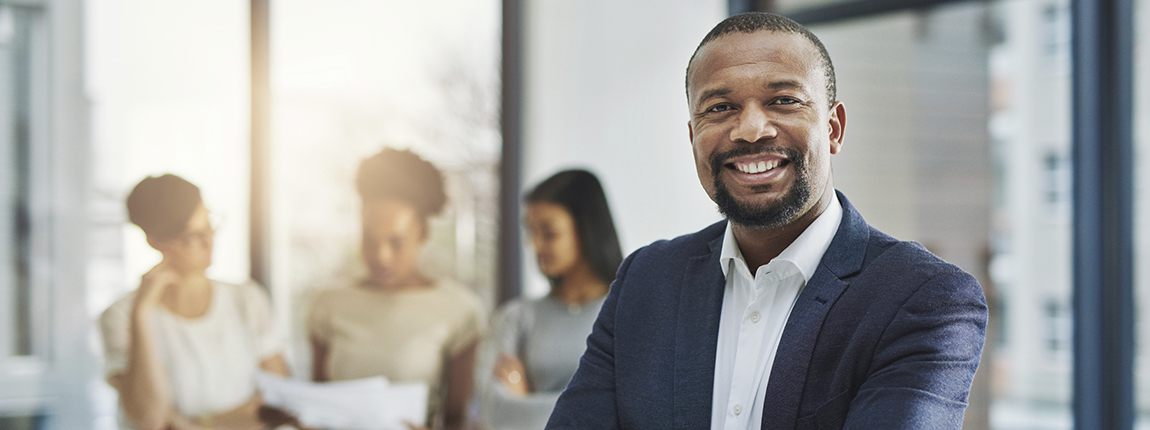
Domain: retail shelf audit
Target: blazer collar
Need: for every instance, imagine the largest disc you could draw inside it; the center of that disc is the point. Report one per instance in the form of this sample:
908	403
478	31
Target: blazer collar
788	377
700	303
844	258
845	255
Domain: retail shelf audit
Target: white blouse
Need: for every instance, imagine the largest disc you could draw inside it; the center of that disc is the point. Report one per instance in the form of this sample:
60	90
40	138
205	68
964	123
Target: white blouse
211	361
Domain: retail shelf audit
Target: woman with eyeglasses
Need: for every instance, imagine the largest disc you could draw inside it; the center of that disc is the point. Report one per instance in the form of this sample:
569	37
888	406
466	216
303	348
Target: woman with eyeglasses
535	345
183	350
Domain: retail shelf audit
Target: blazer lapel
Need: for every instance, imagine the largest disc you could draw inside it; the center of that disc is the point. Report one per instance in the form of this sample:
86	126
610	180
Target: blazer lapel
696	337
789	373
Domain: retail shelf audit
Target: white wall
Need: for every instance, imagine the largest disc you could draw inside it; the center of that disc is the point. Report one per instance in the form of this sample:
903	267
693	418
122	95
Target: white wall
604	90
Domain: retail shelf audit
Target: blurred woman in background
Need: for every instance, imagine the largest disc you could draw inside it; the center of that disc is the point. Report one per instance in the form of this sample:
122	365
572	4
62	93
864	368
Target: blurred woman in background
183	350
398	321
535	345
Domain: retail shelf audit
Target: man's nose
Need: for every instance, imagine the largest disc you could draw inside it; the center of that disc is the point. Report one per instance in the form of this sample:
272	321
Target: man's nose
754	124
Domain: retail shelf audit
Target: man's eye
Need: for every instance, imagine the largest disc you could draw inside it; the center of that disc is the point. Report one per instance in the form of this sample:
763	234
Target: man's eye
719	108
786	101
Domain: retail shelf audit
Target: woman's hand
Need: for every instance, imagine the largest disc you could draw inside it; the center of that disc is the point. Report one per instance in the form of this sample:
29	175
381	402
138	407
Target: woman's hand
511	372
152	287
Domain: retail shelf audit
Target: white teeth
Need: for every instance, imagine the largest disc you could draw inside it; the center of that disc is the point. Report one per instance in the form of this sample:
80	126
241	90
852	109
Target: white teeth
760	167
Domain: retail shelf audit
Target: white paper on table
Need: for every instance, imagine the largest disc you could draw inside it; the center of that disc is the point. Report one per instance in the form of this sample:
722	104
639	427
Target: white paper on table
369	403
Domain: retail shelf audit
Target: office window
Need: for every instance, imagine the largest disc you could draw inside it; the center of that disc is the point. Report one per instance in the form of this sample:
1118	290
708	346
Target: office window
29	261
1057	331
168	87
1030	71
24	265
1056	184
967	109
351	79
1142	213
1056	33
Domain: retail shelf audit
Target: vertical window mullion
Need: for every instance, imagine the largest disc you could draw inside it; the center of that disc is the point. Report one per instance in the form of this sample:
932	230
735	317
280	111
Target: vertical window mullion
1103	214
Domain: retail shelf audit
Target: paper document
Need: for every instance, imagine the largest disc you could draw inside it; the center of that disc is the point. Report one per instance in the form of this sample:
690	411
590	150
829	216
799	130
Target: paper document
369	403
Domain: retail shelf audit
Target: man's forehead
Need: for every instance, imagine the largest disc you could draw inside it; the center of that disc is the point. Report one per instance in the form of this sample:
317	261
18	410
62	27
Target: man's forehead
787	50
761	45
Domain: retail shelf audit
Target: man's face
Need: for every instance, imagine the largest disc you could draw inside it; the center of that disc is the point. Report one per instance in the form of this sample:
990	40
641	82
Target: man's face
761	126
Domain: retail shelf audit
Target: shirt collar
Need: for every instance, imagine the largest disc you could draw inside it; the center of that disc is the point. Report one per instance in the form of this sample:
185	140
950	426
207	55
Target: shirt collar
804	253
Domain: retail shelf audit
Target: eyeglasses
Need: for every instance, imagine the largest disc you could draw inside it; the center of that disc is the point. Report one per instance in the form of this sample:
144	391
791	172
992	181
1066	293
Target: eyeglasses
203	236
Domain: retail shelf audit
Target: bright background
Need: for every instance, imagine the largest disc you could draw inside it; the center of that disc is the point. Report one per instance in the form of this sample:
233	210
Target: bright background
958	137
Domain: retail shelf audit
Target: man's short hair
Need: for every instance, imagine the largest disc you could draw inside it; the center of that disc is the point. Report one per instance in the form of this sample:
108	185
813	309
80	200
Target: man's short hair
754	22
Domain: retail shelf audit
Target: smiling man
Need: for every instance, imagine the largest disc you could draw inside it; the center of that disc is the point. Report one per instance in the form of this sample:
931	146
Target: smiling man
793	312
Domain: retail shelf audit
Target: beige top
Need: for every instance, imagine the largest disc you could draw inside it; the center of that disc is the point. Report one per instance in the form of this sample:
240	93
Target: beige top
407	335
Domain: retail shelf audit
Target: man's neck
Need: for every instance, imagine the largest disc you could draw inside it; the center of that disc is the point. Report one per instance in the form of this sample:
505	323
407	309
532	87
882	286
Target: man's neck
759	245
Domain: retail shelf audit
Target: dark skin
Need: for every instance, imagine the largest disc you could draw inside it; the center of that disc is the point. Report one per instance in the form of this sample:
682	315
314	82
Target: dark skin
394	234
765	89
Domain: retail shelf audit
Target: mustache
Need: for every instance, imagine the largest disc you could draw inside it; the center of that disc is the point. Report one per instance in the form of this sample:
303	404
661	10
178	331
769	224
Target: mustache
719	159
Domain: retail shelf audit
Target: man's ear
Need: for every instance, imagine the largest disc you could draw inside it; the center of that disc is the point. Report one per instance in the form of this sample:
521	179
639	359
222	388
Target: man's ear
837	125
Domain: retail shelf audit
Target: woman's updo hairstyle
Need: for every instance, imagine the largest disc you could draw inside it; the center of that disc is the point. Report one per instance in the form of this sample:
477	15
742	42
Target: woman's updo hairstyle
162	205
395	174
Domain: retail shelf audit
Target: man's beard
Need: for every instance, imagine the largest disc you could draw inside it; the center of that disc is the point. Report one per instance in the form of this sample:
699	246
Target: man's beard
762	216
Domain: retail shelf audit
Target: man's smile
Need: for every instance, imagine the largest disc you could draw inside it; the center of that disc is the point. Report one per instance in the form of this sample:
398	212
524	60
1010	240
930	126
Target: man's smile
758	169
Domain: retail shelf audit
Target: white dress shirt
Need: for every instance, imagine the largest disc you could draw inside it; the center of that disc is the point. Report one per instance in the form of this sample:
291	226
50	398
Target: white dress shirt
755	310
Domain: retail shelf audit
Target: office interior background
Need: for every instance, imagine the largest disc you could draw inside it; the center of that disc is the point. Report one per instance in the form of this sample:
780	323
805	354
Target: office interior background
1001	134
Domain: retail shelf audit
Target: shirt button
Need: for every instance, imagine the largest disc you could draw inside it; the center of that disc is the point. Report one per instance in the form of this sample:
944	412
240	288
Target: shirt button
755	317
738	409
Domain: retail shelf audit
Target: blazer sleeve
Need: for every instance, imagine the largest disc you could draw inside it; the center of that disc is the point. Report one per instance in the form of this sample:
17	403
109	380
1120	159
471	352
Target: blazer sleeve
926	359
589	400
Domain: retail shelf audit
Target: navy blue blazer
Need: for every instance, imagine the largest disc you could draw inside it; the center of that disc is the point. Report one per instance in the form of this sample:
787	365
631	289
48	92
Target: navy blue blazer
885	335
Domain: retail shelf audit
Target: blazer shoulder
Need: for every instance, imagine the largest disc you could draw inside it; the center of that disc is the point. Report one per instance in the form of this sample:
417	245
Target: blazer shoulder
913	266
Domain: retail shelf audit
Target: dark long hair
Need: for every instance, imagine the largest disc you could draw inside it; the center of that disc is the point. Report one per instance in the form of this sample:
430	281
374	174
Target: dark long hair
579	192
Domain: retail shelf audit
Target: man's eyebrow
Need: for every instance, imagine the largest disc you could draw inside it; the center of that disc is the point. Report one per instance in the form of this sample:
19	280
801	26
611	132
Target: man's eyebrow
786	85
711	93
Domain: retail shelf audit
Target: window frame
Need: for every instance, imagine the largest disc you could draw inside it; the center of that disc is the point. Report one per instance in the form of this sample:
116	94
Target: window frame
1102	79
25	374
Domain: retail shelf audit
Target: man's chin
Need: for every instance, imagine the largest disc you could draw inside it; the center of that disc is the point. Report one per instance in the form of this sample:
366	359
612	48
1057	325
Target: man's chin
760	203
759	213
